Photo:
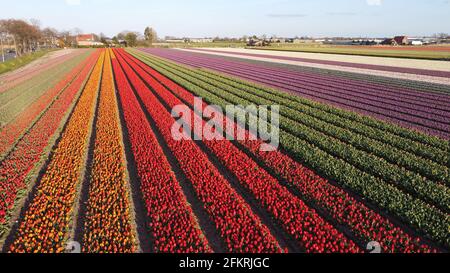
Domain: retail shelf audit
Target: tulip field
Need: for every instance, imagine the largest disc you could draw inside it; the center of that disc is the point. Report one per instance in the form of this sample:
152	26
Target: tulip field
88	156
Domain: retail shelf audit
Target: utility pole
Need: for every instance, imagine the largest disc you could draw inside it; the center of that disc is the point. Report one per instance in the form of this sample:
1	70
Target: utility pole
3	51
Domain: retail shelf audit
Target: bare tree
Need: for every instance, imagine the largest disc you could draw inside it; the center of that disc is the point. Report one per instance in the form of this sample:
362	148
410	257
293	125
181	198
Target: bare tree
121	36
49	35
115	40
25	35
150	35
36	23
102	38
35	33
20	32
67	38
443	35
76	31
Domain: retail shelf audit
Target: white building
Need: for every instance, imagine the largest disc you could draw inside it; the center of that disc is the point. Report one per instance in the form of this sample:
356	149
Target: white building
201	40
88	40
416	43
174	41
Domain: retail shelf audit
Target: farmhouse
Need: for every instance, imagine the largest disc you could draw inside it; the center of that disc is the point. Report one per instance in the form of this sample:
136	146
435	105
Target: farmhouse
255	42
401	40
302	41
88	40
277	40
389	41
175	41
171	39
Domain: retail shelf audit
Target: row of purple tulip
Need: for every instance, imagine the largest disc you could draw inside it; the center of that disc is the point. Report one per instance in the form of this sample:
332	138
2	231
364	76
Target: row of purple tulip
425	72
433	120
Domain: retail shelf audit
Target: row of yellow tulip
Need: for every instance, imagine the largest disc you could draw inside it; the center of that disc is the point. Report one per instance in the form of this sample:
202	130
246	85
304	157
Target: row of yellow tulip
108	226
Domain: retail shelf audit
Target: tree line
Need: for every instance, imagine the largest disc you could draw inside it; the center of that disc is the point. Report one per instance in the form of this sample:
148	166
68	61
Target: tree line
24	36
27	36
132	38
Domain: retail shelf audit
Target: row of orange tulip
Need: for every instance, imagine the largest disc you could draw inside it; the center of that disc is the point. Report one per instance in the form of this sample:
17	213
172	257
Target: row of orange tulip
108	225
48	218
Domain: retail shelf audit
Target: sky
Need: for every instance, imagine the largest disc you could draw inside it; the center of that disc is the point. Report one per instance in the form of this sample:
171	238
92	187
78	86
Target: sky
235	18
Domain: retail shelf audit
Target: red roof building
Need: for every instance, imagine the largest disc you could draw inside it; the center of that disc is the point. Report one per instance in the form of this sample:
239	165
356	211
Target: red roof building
87	40
401	40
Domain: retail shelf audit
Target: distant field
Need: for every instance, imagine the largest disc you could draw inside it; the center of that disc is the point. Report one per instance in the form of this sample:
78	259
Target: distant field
191	45
424	52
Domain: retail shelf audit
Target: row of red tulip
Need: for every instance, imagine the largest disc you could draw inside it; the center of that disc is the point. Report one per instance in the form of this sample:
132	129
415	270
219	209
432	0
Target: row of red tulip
108	226
10	133
173	227
364	223
49	216
240	229
311	231
15	168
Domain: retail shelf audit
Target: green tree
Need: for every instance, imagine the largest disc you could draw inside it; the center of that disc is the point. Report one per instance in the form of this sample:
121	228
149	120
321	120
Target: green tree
115	40
131	39
103	38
